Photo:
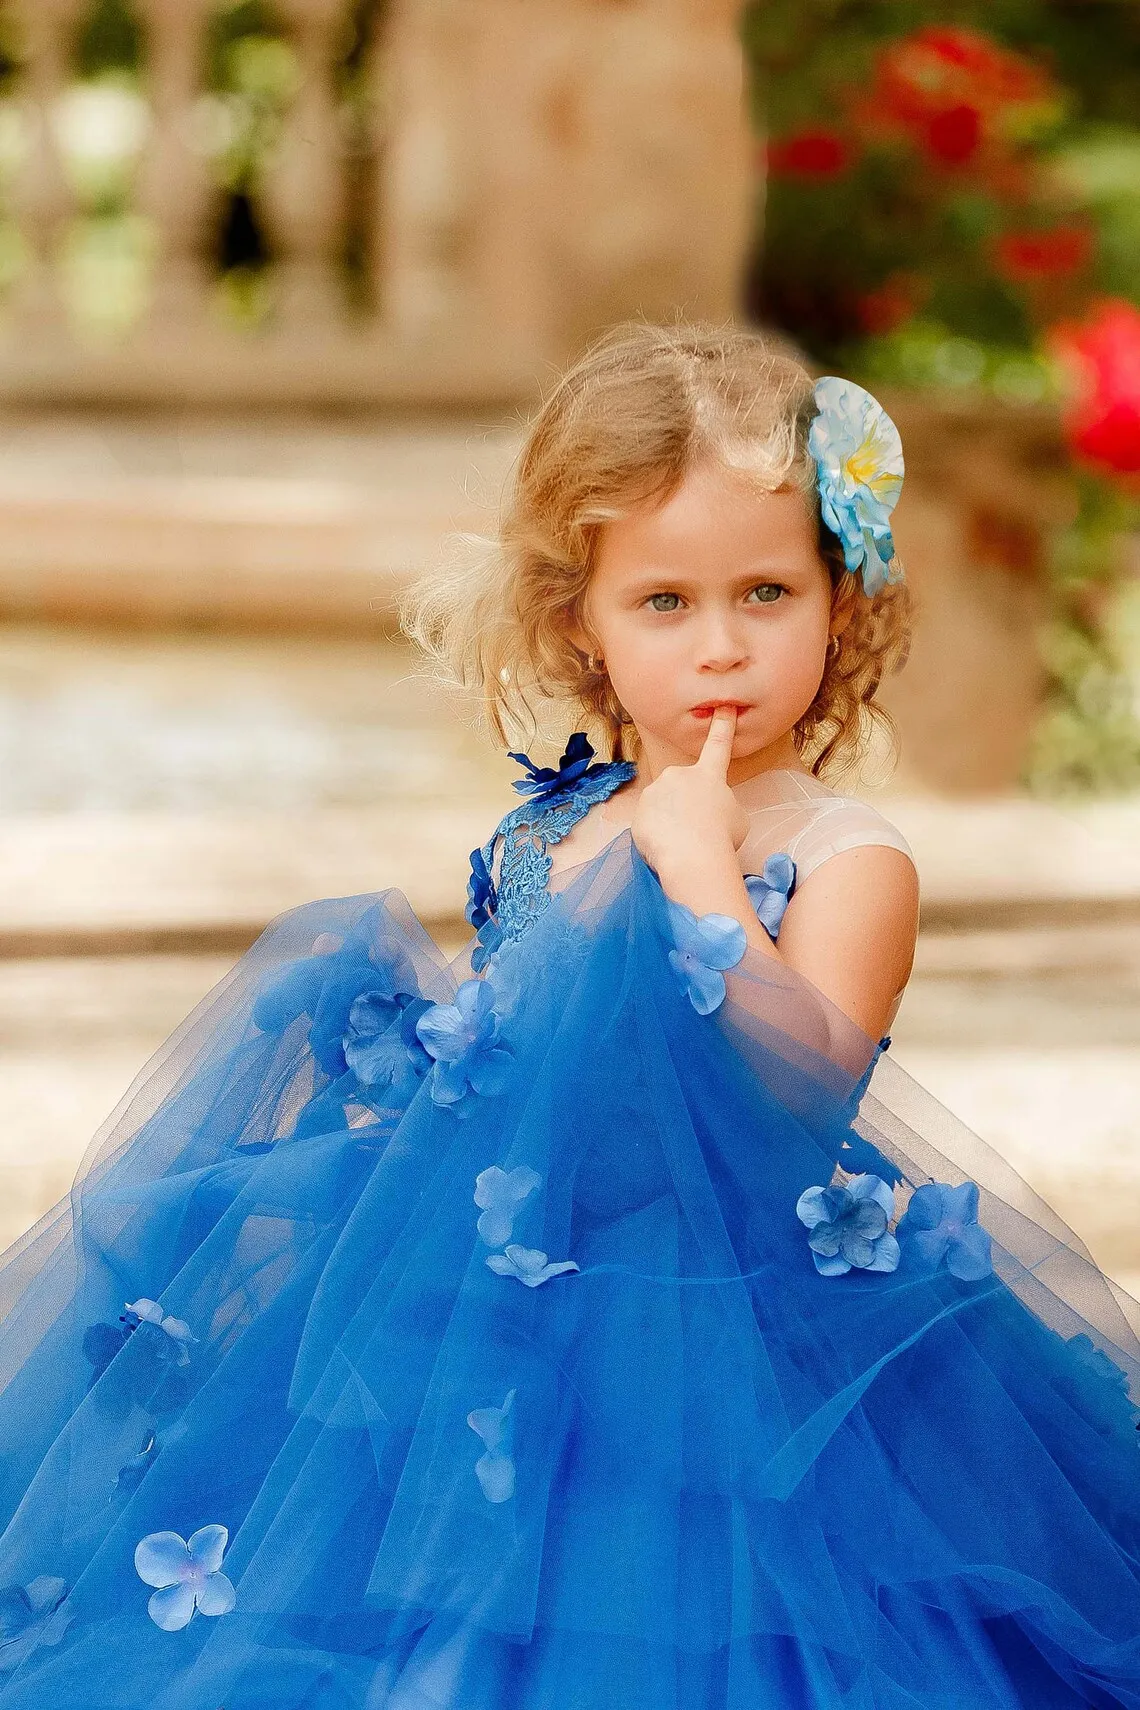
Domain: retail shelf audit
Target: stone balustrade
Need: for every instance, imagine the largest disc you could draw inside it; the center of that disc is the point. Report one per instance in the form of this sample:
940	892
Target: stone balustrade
535	171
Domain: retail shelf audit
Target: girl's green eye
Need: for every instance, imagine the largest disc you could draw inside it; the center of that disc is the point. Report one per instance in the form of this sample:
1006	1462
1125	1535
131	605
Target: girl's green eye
770	591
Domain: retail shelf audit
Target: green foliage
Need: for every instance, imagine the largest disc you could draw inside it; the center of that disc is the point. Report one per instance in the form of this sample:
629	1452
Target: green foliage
941	259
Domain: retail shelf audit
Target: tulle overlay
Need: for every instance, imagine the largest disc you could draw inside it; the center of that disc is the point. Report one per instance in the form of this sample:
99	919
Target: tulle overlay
649	1458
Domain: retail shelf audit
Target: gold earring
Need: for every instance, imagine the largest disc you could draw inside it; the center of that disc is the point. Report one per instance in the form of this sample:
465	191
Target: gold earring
595	662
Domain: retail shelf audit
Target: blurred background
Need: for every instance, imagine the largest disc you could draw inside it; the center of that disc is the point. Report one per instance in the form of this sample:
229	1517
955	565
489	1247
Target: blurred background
279	283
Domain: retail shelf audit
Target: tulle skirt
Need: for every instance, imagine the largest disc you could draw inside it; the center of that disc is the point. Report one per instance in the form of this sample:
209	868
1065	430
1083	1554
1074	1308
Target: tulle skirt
545	1341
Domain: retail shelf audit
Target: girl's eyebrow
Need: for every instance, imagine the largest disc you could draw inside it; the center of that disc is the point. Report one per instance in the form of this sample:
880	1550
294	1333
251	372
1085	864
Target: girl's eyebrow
746	578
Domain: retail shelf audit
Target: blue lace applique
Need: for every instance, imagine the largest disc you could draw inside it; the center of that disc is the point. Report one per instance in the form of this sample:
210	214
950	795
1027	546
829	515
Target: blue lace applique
557	800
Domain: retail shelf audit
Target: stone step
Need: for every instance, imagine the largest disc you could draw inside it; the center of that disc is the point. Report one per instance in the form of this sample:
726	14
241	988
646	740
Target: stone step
259	521
1068	880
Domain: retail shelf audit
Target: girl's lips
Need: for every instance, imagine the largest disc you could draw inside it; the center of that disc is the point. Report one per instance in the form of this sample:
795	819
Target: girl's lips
707	711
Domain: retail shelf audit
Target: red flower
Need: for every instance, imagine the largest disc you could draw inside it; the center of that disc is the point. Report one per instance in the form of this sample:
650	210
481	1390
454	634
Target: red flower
1102	356
890	304
953	136
951	90
1051	254
809	154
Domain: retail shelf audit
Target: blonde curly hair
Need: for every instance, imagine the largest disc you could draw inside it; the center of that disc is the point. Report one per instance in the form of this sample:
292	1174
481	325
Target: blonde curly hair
623	425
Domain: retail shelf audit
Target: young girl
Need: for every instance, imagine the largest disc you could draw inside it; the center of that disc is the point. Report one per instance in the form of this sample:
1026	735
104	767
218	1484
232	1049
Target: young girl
600	1320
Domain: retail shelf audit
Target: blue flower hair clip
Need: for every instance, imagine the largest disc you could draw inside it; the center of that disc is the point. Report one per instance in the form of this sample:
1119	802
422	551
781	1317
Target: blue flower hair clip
859	472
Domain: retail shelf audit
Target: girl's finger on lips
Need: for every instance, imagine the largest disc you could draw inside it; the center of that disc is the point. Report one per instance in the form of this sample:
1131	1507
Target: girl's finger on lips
717	750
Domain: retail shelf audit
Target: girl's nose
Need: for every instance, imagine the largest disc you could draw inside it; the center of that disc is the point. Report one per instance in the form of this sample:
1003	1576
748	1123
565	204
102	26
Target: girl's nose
721	645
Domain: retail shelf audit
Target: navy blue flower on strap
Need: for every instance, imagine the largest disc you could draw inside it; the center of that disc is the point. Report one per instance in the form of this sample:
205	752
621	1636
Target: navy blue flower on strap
543	782
848	1226
702	947
481	895
31	1615
772	889
463	1038
941	1223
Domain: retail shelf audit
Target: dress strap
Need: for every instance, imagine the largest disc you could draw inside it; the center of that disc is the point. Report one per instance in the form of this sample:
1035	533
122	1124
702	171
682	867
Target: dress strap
502	909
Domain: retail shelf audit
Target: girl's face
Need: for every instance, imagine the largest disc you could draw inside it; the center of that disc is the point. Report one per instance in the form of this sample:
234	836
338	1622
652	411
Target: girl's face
719	594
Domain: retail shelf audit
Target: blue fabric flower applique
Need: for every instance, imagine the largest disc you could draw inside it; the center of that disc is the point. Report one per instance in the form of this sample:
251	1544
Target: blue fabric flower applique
499	1193
848	1226
132	1474
31	1615
463	1038
187	1574
771	890
702	948
544	782
326	985
381	1045
494	1469
176	1329
941	1223
528	1264
481	896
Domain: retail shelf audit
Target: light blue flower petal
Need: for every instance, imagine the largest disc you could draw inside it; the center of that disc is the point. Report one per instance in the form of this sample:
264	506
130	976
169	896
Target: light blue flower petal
171	1608
830	1267
868	1219
970	1257
162	1558
442	1031
856	1249
924	1208
870	1187
490	1073
929	1245
683	927
723	940
961	1203
216	1595
886	1254
496	1474
811	1207
705	987
207	1546
45	1592
447	1083
826	1238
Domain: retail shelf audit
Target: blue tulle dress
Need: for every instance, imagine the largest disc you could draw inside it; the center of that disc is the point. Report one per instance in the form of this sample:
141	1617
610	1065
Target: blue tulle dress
596	1321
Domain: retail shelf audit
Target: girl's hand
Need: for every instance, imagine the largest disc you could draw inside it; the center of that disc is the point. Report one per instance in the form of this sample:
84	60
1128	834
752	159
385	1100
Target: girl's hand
689	813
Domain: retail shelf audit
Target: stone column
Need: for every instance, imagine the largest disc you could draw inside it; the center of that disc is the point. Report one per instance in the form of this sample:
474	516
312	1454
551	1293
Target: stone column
175	186
304	194
43	199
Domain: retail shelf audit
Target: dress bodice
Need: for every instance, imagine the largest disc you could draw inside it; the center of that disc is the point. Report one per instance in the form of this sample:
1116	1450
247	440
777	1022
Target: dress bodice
796	823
